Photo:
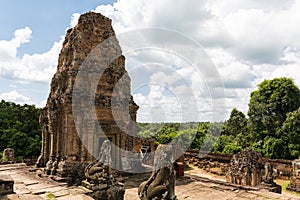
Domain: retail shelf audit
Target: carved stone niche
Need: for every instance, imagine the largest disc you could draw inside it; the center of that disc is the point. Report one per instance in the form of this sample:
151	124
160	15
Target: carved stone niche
247	168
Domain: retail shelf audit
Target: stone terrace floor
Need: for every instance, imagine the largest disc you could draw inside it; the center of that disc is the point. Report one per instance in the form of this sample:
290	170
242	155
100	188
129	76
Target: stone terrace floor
29	186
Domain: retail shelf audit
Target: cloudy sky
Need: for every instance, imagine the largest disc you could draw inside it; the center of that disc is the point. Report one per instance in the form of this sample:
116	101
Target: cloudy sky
214	52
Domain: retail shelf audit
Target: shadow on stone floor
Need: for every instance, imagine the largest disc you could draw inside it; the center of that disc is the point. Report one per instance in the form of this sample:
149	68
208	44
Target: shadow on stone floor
134	181
187	168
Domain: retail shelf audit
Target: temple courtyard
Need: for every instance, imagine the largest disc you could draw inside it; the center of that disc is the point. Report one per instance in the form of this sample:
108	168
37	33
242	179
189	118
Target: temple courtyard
195	185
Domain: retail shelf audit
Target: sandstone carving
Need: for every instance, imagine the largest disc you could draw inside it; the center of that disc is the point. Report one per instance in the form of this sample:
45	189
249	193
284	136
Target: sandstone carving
161	184
99	179
63	150
295	179
8	155
98	170
268	176
245	168
248	168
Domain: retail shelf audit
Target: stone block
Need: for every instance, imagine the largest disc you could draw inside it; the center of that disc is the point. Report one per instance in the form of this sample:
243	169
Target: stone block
6	185
112	193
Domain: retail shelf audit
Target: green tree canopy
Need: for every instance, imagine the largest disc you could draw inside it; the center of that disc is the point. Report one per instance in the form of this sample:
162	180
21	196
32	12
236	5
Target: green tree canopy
274	148
20	128
191	135
270	104
237	123
290	132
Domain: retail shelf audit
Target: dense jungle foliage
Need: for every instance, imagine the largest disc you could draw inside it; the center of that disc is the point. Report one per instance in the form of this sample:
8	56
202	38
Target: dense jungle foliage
20	129
272	128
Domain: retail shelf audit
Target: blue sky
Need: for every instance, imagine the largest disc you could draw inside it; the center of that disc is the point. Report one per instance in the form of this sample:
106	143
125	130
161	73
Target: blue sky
248	41
47	20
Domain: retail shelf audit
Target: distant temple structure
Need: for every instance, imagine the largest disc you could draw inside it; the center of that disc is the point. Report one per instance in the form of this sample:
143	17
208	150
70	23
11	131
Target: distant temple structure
248	168
66	145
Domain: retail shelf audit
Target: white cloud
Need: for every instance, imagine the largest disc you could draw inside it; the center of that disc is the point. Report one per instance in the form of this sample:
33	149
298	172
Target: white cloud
222	8
255	32
74	19
15	97
36	67
289	68
8	49
234	73
42	104
248	41
175	94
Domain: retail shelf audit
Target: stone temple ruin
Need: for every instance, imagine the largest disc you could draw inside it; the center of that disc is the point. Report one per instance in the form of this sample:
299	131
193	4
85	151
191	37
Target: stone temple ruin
64	151
295	179
247	168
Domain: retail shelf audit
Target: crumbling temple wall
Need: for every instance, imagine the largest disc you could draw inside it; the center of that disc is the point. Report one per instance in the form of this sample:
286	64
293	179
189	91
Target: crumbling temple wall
61	144
218	163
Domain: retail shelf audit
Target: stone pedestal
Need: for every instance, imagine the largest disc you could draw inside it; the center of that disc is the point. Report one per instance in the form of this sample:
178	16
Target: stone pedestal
6	185
105	192
272	187
105	189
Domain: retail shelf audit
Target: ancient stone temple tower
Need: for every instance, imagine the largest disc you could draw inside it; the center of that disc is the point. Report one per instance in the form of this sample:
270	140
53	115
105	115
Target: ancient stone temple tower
62	144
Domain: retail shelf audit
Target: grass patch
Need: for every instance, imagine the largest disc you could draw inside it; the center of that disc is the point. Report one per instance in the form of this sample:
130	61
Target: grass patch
284	184
50	196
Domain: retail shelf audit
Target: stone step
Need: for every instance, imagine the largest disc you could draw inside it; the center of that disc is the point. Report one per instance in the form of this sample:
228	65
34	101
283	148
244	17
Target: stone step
59	179
75	197
12	166
49	190
6	185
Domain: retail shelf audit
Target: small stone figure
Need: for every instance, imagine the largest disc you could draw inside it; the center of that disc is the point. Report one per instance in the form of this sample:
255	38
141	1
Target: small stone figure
268	176
161	184
55	166
8	155
105	153
49	166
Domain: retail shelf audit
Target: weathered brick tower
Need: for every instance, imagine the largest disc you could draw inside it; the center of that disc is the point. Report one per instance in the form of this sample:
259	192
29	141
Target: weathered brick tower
62	146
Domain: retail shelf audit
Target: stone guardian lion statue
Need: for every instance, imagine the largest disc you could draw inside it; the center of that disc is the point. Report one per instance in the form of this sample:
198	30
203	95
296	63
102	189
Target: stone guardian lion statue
161	184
